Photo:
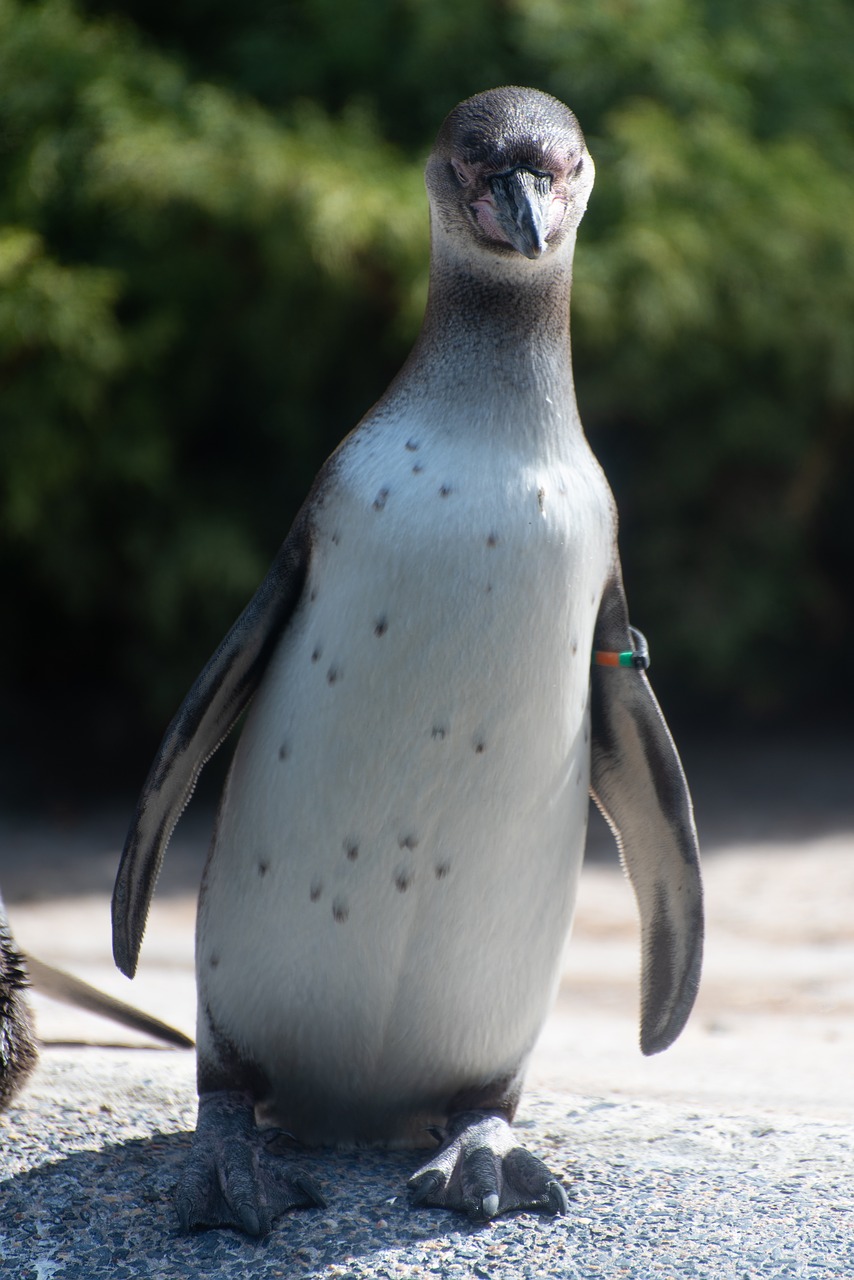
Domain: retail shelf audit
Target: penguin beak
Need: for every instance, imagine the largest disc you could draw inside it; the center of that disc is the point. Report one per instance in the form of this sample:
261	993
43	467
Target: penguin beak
523	201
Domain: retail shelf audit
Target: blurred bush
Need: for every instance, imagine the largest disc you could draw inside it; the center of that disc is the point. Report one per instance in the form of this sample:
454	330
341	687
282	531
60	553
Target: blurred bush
213	253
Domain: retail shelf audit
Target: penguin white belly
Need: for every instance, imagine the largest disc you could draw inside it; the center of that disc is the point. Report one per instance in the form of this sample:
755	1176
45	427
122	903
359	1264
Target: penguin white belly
395	864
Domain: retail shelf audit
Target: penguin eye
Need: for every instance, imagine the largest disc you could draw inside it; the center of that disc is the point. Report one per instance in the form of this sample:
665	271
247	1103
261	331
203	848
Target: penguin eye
460	173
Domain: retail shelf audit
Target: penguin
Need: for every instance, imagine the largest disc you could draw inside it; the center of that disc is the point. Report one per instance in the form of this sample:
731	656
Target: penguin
18	1043
393	869
18	1051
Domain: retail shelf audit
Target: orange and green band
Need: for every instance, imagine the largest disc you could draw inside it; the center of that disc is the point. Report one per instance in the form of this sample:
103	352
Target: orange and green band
637	658
608	658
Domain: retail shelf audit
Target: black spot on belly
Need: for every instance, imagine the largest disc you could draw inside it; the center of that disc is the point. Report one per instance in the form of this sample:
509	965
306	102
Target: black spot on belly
312	595
408	842
417	469
574	647
336	538
412	445
340	910
381	499
332	675
316	654
402	881
541	500
445	490
441	869
214	962
316	890
492	540
381	626
439	732
263	868
351	849
479	746
284	751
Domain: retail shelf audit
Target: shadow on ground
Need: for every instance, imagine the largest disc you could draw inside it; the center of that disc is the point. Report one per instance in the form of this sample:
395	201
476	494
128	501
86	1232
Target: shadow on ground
111	1210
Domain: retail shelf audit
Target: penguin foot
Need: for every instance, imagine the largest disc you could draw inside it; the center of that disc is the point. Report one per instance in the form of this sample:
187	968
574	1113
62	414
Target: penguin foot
231	1179
480	1171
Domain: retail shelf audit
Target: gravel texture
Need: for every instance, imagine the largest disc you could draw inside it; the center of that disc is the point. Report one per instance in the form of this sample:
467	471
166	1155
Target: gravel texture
656	1190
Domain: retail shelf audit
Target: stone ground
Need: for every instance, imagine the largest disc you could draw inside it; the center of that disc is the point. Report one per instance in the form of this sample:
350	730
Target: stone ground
728	1156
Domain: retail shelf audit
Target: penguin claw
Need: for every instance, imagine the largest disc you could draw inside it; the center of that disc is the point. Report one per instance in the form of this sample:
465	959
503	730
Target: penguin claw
479	1171
480	1208
558	1200
302	1182
250	1221
423	1185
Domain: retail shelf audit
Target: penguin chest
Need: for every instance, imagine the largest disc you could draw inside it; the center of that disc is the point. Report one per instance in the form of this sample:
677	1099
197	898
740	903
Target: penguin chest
396	857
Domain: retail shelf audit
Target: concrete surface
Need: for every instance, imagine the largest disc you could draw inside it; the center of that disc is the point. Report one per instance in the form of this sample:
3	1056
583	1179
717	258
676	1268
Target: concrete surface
727	1156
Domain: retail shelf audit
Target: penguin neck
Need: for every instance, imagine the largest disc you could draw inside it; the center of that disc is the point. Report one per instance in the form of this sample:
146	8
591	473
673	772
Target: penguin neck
494	348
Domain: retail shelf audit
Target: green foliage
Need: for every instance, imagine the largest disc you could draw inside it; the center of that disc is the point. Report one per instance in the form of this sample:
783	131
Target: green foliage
213	250
172	261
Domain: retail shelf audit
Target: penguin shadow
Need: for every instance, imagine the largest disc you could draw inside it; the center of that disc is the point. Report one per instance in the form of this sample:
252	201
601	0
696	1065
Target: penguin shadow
110	1212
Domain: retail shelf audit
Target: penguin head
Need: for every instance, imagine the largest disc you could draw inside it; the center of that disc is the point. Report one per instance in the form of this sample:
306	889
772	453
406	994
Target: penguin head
509	176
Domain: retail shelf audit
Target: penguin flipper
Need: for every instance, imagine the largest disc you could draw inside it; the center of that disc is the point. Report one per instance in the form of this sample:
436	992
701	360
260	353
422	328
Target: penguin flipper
64	987
638	784
204	719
